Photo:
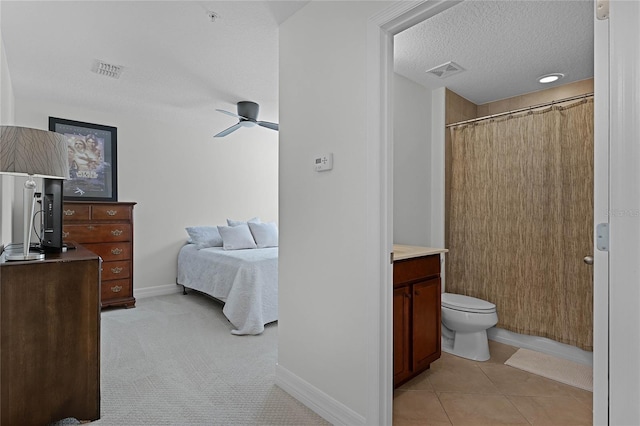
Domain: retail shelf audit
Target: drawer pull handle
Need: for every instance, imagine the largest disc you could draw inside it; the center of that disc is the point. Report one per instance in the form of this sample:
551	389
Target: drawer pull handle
116	251
112	212
69	212
91	227
116	288
65	234
117	232
116	270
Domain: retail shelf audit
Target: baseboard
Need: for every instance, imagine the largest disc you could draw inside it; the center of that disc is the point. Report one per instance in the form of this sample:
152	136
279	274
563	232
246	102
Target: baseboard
322	404
159	290
540	344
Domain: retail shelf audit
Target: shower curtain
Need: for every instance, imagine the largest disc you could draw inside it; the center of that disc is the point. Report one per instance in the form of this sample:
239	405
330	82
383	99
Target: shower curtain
521	220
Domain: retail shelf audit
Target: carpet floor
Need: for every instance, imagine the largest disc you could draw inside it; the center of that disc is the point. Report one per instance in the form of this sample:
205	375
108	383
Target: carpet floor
172	360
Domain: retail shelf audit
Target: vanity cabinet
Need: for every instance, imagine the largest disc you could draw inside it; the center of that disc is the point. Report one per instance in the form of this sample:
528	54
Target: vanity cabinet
416	316
105	228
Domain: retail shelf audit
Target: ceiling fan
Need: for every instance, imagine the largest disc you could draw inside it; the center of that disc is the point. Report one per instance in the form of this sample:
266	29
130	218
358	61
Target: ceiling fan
248	115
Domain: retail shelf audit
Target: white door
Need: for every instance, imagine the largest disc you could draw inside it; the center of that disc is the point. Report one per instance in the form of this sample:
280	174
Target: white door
624	214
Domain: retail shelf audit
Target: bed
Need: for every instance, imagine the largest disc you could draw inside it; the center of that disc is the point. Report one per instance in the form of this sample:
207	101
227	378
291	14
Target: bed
246	281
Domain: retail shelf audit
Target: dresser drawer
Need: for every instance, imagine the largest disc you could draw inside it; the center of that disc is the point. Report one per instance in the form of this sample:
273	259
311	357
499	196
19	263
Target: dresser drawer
415	269
115	289
75	212
96	233
111	251
116	270
110	212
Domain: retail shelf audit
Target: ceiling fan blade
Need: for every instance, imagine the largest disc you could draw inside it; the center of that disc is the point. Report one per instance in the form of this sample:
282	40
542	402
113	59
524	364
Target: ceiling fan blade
229	130
231	114
273	126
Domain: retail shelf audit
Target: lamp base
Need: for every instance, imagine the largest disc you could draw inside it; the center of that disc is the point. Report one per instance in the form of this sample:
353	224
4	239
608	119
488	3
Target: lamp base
17	254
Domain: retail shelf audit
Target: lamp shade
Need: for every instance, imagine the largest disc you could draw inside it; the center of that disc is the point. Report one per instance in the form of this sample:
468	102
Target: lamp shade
26	151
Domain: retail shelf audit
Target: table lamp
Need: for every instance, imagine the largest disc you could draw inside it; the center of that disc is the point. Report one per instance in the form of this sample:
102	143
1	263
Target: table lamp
32	153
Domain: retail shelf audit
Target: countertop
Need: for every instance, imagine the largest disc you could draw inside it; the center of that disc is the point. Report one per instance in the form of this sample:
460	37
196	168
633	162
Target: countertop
401	251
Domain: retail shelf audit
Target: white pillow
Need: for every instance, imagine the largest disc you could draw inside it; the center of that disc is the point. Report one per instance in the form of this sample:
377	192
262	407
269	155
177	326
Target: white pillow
232	222
265	234
204	236
236	237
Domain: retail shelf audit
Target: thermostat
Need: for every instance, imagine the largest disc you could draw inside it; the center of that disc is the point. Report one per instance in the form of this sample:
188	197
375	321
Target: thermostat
324	162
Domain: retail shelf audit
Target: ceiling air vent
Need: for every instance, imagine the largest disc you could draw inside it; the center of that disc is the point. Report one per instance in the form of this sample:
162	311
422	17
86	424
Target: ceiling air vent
445	70
106	69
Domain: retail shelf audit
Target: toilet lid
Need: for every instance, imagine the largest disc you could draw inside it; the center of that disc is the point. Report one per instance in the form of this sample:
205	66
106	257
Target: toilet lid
460	302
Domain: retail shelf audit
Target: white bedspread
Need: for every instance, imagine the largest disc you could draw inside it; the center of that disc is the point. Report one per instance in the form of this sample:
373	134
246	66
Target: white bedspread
246	280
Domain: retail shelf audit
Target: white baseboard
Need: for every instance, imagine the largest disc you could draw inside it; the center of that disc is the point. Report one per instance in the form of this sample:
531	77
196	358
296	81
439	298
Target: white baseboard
541	344
159	290
322	404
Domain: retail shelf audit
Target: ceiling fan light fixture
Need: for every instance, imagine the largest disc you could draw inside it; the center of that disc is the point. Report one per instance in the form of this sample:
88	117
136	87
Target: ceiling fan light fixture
550	78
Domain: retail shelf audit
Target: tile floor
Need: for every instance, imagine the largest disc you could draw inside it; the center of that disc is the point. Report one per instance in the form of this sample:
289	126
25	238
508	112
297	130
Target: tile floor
457	391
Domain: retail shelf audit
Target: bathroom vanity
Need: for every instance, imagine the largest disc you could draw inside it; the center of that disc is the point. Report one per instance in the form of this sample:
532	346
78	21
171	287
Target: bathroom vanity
416	310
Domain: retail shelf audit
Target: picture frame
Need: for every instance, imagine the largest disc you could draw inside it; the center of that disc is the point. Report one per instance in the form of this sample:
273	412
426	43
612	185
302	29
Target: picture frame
93	160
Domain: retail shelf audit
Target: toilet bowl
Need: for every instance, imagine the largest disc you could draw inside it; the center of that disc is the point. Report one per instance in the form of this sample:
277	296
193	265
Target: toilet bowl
465	321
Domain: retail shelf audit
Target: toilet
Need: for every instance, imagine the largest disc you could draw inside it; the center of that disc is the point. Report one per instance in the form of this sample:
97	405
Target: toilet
465	321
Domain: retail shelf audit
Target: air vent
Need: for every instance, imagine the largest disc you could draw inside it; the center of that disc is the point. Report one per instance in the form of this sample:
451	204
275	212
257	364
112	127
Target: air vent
108	70
445	70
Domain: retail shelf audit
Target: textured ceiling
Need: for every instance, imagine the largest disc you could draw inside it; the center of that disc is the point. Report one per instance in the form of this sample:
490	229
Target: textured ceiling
502	45
175	59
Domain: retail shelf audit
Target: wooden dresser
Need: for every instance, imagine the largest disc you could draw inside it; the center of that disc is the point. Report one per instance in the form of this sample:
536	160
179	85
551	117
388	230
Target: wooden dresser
416	311
50	339
106	229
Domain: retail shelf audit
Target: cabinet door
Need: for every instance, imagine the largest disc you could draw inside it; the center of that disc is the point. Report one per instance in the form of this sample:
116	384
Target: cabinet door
426	323
401	333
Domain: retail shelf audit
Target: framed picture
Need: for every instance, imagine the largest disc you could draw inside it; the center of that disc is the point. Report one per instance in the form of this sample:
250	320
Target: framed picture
92	160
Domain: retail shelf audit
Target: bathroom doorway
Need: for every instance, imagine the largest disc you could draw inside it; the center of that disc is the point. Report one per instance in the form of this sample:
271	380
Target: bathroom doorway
431	164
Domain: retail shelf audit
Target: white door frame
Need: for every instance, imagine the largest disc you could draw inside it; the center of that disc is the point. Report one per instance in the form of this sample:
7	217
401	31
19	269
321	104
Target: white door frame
403	15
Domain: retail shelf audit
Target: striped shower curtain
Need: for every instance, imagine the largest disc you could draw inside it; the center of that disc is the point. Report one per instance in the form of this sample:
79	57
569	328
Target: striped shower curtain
521	220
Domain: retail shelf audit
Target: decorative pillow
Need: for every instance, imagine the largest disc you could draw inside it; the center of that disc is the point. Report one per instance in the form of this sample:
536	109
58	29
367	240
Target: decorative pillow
265	234
232	222
204	236
236	237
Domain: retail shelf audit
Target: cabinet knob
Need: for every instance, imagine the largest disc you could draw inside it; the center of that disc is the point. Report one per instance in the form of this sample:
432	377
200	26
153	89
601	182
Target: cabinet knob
69	212
116	232
116	288
116	270
112	212
407	295
116	250
65	234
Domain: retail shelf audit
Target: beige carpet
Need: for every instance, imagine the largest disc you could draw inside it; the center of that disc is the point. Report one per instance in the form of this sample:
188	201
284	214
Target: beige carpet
554	368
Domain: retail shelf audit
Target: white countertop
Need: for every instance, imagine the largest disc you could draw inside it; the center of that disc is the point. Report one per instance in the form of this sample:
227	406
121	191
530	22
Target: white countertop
401	251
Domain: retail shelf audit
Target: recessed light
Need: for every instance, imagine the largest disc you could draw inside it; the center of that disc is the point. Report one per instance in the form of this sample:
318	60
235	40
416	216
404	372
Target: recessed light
550	78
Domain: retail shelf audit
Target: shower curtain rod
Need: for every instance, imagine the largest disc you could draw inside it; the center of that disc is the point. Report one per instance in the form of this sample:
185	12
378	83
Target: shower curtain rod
486	117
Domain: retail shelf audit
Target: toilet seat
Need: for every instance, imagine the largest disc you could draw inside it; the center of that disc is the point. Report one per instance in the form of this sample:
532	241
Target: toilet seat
463	303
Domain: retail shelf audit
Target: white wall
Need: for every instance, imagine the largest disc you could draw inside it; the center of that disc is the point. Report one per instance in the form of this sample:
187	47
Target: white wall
411	163
6	118
179	175
323	286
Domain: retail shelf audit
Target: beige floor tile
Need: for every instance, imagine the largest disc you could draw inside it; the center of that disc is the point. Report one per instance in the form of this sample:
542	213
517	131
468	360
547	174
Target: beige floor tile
511	381
583	396
499	353
474	409
420	382
559	410
454	374
418	408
